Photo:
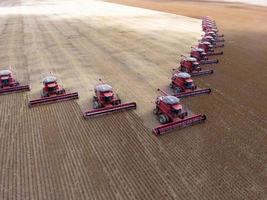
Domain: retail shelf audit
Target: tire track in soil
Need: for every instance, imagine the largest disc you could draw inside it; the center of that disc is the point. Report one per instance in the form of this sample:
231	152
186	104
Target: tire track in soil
49	124
93	132
123	71
11	54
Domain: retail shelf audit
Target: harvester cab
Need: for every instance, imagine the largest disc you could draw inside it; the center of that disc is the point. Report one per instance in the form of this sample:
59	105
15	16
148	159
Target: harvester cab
208	27
52	92
8	84
169	109
171	114
198	53
213	41
202	57
106	101
207	46
189	64
182	82
209	38
104	96
212	34
6	78
51	87
192	67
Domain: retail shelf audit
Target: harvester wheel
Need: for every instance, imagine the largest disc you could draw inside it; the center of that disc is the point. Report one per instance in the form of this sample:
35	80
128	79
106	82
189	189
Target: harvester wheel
44	94
96	105
61	91
177	90
163	119
94	98
117	102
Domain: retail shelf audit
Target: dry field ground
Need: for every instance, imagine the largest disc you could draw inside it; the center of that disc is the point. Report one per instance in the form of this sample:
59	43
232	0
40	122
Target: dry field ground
50	152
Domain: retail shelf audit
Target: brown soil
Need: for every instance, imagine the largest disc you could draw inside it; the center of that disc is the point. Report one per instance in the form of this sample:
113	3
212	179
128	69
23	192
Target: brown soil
50	152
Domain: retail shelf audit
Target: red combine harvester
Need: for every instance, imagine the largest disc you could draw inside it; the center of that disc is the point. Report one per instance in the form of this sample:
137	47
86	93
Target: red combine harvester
52	92
202	57
183	86
171	114
106	101
8	84
208	48
209	24
191	66
212	41
215	33
214	36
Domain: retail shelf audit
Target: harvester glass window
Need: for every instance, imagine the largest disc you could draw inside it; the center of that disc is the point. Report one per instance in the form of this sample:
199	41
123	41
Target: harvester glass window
188	85
107	99
51	89
5	82
176	111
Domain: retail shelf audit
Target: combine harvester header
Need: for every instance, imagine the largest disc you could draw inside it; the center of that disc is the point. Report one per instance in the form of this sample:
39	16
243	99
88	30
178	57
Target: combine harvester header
171	114
181	123
106	101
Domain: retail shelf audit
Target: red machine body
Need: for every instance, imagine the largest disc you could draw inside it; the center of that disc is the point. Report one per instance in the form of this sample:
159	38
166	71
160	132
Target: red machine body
209	24
8	84
214	36
183	86
106	101
52	92
208	48
202	57
171	115
51	87
212	41
191	66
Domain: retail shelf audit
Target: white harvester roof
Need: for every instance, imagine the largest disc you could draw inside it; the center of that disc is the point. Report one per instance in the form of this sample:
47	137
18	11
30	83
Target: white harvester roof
191	59
5	72
211	32
170	100
103	88
49	79
182	75
208	37
206	42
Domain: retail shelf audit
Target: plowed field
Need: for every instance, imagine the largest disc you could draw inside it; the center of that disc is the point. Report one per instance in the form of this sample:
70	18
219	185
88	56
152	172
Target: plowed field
51	152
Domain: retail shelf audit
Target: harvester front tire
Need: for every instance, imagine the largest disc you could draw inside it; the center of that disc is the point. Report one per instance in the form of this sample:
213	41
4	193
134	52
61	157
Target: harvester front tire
163	119
96	105
177	90
118	102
